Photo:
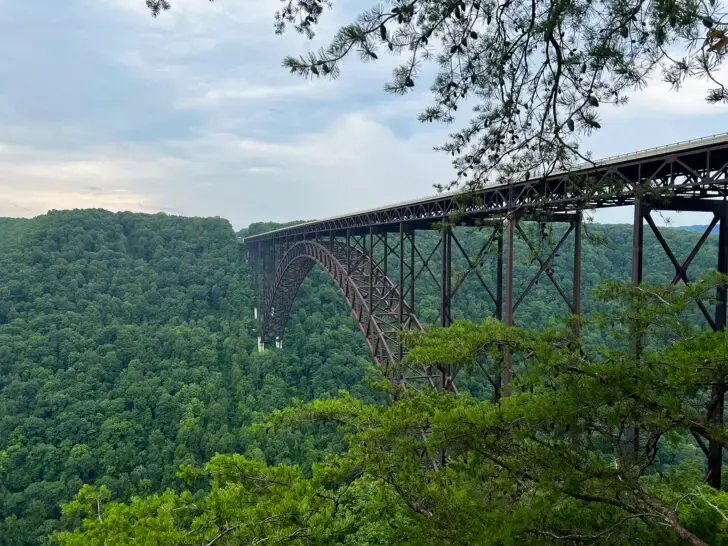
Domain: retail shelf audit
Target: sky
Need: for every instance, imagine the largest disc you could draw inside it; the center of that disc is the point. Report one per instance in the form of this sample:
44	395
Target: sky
192	113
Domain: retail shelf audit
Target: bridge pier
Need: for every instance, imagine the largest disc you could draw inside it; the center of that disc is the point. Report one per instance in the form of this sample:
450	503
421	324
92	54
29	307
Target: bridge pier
718	392
513	230
445	372
508	316
717	321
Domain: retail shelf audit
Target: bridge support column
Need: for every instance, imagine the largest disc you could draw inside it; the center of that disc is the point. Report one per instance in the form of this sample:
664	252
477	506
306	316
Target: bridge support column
638	235
445	382
576	288
498	377
507	308
370	293
717	321
400	303
508	315
348	252
718	391
412	273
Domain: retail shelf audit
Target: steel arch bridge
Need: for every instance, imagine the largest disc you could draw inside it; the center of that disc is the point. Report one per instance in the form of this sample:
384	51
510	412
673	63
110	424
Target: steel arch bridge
376	262
373	298
376	302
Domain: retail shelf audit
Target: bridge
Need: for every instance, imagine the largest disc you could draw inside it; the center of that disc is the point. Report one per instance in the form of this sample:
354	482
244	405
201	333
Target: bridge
376	261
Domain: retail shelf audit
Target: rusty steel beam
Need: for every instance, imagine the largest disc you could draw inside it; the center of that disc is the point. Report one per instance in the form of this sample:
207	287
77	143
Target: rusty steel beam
697	170
718	391
508	316
576	288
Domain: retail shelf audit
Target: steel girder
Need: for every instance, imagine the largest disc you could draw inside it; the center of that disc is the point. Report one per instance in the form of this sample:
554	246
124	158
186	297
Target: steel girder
695	170
716	320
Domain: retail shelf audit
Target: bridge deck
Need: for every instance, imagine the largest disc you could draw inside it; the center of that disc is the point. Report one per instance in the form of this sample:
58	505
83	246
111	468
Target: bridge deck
693	169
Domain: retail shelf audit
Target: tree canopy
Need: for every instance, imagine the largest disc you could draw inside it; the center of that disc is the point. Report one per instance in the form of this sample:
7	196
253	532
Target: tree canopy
132	394
535	73
554	463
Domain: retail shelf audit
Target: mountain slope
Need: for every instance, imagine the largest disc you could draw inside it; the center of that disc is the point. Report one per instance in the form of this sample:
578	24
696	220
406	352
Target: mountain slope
128	347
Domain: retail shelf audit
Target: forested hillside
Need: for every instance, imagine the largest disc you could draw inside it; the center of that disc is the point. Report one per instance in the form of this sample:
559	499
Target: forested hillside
128	348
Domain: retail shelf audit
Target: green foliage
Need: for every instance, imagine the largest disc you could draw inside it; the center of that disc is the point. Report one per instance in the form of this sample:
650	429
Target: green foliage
257	228
128	359
553	462
128	348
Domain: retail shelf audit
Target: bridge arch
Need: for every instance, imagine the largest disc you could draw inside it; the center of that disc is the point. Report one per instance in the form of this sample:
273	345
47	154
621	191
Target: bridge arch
373	298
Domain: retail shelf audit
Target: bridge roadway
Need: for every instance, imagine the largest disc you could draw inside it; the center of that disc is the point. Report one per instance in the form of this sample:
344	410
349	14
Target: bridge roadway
690	169
357	249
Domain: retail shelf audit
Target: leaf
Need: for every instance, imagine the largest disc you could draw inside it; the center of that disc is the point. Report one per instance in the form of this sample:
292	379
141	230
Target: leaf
592	100
570	124
383	32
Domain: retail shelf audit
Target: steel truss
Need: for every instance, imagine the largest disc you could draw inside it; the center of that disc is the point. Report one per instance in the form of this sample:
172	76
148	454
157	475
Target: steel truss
377	304
695	170
377	274
376	260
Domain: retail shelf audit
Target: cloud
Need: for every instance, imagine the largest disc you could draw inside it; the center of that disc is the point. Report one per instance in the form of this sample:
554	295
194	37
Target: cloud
36	183
192	113
230	93
355	163
659	99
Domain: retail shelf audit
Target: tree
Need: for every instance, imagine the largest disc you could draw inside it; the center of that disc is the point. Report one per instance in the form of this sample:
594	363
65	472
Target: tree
554	462
536	73
560	446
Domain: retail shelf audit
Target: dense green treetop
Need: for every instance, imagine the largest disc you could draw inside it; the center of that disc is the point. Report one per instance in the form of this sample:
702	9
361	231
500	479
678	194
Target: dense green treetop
554	463
257	228
128	347
128	352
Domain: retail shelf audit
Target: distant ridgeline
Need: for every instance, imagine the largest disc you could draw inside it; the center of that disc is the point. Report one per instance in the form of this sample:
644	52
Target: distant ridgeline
263	227
699	228
128	347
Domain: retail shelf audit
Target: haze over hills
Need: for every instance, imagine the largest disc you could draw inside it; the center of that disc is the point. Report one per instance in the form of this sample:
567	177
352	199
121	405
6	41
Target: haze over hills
700	228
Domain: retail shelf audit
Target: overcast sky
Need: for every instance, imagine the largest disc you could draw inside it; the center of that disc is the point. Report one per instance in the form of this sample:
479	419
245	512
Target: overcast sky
191	113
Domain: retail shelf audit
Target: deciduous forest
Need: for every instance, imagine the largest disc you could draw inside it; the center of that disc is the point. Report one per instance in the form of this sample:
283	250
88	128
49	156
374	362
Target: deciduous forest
135	407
